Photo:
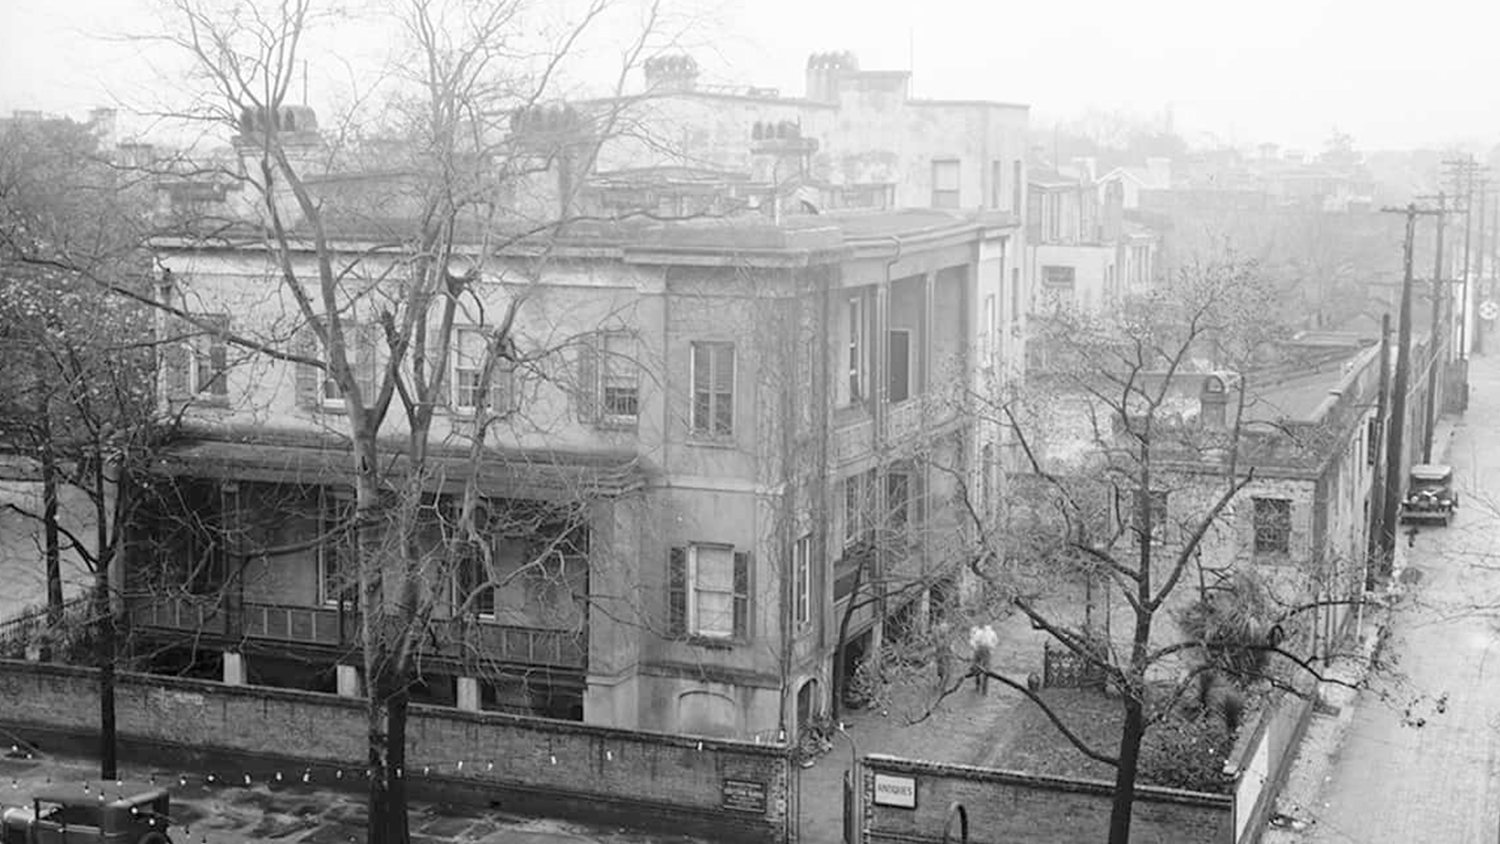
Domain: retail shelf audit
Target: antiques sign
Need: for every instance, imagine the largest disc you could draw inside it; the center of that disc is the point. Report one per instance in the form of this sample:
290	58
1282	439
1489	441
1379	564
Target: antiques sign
900	792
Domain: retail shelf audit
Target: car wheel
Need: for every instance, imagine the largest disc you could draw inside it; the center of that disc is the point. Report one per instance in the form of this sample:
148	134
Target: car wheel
154	838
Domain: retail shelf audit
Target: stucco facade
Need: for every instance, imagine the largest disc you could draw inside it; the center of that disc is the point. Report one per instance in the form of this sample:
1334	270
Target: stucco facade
734	459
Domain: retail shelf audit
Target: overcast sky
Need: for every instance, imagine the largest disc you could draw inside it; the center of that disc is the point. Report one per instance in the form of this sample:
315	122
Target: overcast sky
1289	71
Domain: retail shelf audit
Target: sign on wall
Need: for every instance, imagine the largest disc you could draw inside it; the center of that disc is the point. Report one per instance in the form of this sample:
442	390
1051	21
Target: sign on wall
900	792
746	796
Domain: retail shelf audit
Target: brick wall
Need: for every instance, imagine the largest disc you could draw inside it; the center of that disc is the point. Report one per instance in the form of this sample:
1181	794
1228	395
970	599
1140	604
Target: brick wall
1005	807
527	765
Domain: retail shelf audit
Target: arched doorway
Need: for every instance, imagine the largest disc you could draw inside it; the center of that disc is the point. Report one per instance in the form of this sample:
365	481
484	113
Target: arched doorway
809	704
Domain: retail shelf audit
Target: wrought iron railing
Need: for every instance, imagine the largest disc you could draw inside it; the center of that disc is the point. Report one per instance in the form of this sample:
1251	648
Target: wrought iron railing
453	638
30	626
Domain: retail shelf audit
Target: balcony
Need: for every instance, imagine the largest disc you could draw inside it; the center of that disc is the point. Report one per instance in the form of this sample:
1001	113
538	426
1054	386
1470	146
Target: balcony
332	627
919	415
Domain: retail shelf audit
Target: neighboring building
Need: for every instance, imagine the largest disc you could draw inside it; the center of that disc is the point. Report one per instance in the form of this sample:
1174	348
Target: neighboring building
856	139
737	408
1311	442
1156	175
1080	251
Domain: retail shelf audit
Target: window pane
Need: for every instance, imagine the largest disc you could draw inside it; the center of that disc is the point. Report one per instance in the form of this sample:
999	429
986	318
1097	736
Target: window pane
899	366
701	412
715	614
723	414
724	368
715	569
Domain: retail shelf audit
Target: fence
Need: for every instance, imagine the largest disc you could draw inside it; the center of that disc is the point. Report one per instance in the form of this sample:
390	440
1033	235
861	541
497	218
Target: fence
30	628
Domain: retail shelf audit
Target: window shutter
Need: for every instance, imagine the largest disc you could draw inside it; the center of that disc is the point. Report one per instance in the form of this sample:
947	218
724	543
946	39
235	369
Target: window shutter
175	360
502	386
305	343
218	358
742	595
677	591
587	393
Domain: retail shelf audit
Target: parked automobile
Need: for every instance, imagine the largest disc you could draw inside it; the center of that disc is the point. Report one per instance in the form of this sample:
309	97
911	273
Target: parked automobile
109	812
1429	494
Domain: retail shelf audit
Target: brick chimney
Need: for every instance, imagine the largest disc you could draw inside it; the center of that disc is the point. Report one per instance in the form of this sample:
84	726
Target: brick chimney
671	73
825	72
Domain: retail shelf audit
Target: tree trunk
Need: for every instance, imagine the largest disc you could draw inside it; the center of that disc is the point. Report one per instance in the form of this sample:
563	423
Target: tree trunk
1130	756
104	631
388	700
51	543
836	700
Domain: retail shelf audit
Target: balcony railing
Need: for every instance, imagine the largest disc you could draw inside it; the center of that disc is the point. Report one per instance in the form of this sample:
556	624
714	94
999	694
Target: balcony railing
455	638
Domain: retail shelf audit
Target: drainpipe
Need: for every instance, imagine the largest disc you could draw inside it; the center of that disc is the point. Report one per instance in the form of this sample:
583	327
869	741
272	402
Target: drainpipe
882	360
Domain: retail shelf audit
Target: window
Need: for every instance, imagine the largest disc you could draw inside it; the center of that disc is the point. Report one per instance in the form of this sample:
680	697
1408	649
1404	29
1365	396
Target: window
1158	515
859	494
1015	296
338	575
709	592
619	389
1057	283
1273	525
991	329
470	391
898	501
208	357
898	366
362	352
802	581
472	574
945	181
1016	182
856	356
713	389
1372	441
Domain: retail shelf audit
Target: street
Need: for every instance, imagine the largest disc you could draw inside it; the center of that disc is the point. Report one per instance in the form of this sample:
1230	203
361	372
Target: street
1398	782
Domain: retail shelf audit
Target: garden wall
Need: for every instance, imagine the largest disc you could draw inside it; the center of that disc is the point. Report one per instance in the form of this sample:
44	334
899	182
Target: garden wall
722	790
909	801
1264	761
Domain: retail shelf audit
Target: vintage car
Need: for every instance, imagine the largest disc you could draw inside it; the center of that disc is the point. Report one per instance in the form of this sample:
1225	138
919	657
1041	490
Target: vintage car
1429	494
117	812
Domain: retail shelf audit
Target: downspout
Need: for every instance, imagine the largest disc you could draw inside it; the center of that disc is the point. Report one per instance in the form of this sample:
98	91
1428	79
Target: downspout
882	359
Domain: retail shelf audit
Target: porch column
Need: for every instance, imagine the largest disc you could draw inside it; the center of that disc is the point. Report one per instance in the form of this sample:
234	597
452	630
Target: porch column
348	681
234	668
468	694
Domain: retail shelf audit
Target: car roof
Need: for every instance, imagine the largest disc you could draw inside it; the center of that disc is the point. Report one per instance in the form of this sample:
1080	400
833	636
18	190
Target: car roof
1431	471
116	792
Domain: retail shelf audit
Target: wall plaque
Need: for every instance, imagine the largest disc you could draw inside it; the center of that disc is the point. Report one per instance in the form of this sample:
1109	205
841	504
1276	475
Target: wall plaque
746	796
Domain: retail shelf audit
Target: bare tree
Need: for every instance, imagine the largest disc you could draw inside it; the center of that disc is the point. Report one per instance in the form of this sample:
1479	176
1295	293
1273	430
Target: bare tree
1105	436
76	376
468	128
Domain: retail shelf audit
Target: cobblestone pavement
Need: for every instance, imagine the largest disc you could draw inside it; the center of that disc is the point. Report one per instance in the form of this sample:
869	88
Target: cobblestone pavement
1367	776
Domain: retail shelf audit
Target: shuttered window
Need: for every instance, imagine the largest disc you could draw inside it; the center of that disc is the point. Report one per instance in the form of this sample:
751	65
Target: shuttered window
713	389
708	592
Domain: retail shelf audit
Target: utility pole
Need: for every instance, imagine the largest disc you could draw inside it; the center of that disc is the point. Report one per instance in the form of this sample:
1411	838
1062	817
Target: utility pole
1377	503
1479	262
1394	468
1436	343
1462	170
